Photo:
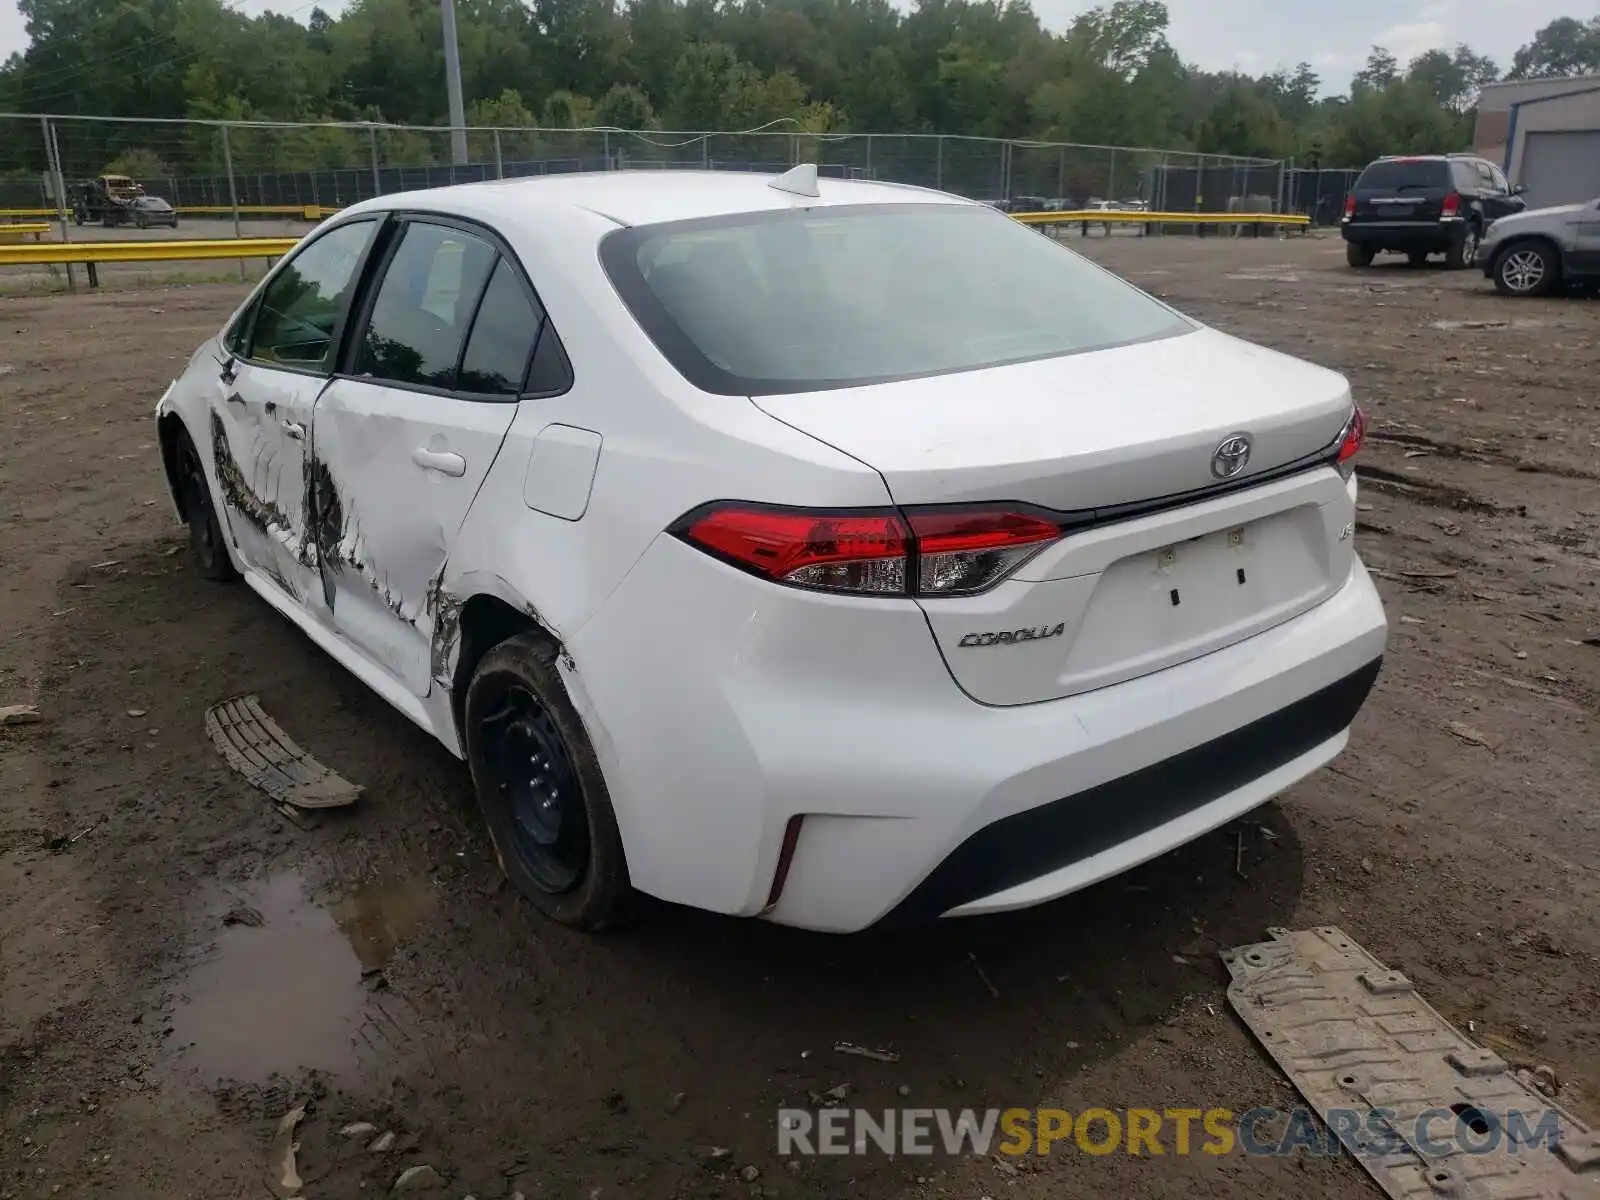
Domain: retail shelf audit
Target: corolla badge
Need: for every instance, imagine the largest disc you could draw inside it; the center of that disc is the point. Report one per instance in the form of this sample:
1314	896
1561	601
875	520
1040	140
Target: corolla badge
1010	637
1230	456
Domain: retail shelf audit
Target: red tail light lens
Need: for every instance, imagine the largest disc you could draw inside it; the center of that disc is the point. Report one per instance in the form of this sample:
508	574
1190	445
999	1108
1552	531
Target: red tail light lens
1355	433
946	552
1452	205
963	552
842	553
1350	205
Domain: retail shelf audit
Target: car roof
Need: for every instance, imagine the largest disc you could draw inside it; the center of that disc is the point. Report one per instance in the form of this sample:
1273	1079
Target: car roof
650	197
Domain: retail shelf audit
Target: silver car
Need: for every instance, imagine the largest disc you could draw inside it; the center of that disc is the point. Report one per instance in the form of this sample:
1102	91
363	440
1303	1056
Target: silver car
1531	252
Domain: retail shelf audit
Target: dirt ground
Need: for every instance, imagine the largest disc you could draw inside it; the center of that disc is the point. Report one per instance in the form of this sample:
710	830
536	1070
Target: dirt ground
179	966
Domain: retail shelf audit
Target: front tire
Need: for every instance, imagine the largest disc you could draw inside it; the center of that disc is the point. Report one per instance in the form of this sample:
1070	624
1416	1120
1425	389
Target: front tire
199	513
1526	269
543	795
1358	255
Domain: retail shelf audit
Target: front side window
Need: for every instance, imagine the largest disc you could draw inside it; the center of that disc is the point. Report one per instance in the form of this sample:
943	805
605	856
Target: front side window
299	310
424	306
806	299
503	337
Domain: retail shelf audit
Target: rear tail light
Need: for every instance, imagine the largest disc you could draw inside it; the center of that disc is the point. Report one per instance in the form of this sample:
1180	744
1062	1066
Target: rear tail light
1350	205
961	552
1452	205
1350	439
942	552
836	552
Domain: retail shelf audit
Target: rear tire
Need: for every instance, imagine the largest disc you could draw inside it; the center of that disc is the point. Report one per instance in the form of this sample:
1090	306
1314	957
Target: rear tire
1527	269
1358	255
206	538
541	789
1417	258
1463	250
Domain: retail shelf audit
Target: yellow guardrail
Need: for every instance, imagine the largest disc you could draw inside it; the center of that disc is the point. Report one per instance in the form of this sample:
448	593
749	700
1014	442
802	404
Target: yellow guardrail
18	228
92	254
306	212
151	251
1122	216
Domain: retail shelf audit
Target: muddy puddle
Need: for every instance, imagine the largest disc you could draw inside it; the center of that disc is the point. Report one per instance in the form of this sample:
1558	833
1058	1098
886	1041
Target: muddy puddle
285	984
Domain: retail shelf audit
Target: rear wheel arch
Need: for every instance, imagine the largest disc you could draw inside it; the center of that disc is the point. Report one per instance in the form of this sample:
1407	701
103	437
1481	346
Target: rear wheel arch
485	621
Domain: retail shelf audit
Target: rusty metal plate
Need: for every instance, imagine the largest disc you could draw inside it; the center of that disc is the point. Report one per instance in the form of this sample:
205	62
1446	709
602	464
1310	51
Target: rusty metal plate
1426	1112
256	748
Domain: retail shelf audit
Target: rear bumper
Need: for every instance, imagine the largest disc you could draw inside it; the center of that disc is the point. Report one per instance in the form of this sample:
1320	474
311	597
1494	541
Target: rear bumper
1403	235
723	707
1057	848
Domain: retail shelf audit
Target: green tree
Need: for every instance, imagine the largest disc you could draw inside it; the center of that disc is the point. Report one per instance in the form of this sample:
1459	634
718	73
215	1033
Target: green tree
625	107
1566	46
565	110
1453	79
1381	70
138	163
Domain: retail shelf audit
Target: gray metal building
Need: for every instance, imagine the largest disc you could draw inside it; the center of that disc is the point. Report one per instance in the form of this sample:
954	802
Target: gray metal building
1546	135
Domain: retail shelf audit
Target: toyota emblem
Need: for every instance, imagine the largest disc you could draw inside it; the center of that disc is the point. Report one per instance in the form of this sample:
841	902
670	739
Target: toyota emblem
1229	458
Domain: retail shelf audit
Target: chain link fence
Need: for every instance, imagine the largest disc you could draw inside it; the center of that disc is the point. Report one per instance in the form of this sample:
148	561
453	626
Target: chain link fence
1319	193
245	172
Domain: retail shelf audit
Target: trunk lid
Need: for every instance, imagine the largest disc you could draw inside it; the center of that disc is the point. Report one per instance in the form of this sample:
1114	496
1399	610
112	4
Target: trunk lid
1095	431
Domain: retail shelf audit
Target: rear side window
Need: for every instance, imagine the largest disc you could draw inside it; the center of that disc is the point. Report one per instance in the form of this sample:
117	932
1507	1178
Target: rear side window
1403	174
799	300
424	306
502	338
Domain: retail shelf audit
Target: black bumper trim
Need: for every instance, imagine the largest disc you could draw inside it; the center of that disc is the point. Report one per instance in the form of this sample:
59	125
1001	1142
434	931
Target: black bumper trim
1040	840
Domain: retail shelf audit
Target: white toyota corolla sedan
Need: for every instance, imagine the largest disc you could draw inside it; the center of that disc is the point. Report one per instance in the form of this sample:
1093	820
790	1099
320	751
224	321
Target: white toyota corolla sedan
837	553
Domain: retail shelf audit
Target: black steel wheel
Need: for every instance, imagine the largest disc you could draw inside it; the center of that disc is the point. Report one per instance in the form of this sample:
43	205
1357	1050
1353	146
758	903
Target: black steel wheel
540	786
205	531
533	773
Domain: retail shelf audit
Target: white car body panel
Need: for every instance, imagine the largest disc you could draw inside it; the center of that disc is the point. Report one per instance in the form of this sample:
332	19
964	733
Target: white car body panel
421	459
721	705
1053	432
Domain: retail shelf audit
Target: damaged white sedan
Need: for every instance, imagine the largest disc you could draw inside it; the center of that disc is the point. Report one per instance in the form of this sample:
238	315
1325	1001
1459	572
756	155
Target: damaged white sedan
836	554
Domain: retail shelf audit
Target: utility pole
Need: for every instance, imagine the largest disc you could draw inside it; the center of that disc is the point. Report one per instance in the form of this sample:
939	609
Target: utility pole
452	83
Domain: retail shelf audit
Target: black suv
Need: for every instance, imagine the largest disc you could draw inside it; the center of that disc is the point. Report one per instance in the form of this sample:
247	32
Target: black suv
1425	204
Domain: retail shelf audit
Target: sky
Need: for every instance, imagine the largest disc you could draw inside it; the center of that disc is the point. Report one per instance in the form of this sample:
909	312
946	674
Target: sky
1253	36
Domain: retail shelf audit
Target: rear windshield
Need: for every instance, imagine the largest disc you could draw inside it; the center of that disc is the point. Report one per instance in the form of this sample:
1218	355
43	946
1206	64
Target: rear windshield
1405	173
808	299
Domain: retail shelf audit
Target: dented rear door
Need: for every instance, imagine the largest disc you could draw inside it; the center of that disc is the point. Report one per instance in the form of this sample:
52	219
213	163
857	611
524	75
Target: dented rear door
395	473
404	438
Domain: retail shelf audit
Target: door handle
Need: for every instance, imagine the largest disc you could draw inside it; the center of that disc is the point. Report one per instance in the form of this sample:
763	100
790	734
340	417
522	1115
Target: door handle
294	430
446	462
